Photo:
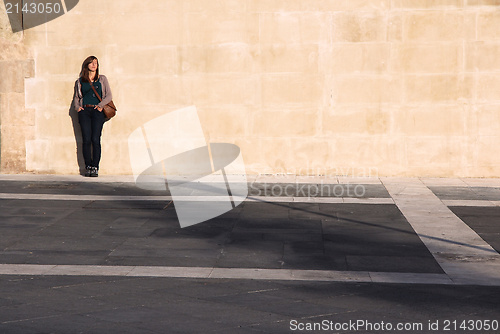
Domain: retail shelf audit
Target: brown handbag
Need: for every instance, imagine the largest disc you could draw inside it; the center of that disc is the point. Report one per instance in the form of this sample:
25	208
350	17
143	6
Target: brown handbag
109	109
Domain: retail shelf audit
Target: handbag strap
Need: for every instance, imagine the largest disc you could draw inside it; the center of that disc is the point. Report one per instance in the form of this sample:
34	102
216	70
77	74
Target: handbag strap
95	91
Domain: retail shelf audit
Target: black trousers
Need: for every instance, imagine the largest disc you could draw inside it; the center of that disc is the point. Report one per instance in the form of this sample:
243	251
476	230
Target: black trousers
91	121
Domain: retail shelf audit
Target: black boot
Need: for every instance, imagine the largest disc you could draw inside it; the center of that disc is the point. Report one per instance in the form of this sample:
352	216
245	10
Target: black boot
88	171
94	172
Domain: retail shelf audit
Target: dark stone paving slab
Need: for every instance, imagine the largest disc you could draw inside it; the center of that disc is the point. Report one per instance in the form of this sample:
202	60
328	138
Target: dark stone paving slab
127	205
485	221
318	190
417	264
467	193
255	235
101	305
44	207
77	188
48	257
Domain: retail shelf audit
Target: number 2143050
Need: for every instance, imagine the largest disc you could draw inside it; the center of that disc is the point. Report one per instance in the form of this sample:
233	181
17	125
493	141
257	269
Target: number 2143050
34	8
470	325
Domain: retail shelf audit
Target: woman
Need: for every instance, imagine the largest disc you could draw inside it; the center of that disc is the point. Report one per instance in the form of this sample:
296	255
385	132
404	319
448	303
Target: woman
90	114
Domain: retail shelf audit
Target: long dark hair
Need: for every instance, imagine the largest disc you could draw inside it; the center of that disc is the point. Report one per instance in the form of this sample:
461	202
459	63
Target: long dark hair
85	73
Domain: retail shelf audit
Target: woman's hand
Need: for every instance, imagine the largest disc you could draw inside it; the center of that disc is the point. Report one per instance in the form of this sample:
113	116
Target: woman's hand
80	109
98	108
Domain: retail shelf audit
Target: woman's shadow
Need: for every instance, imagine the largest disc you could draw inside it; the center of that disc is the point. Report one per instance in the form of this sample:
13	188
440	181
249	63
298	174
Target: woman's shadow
78	138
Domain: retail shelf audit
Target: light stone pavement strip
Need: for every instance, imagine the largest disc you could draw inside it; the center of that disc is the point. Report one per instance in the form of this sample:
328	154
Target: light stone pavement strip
226	273
464	256
267	199
483	203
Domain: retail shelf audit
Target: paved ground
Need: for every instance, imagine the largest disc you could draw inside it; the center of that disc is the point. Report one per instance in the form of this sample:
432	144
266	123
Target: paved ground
81	255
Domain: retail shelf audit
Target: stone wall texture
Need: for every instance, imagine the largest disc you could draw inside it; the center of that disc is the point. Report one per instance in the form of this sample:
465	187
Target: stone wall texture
356	87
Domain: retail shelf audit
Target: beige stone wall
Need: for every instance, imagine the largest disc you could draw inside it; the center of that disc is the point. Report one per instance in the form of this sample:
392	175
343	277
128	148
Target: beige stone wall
16	122
360	87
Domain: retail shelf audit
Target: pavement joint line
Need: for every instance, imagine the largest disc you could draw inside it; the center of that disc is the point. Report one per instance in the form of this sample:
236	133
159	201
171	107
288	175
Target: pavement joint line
443	233
235	273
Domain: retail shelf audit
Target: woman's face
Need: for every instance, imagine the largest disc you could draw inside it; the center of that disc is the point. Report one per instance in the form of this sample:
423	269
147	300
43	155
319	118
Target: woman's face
93	66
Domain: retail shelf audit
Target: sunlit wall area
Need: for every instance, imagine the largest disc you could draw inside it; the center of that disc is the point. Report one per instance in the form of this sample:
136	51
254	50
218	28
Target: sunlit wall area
356	87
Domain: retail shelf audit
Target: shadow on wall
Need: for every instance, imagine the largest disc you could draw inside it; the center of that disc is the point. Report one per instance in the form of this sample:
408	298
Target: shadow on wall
78	138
